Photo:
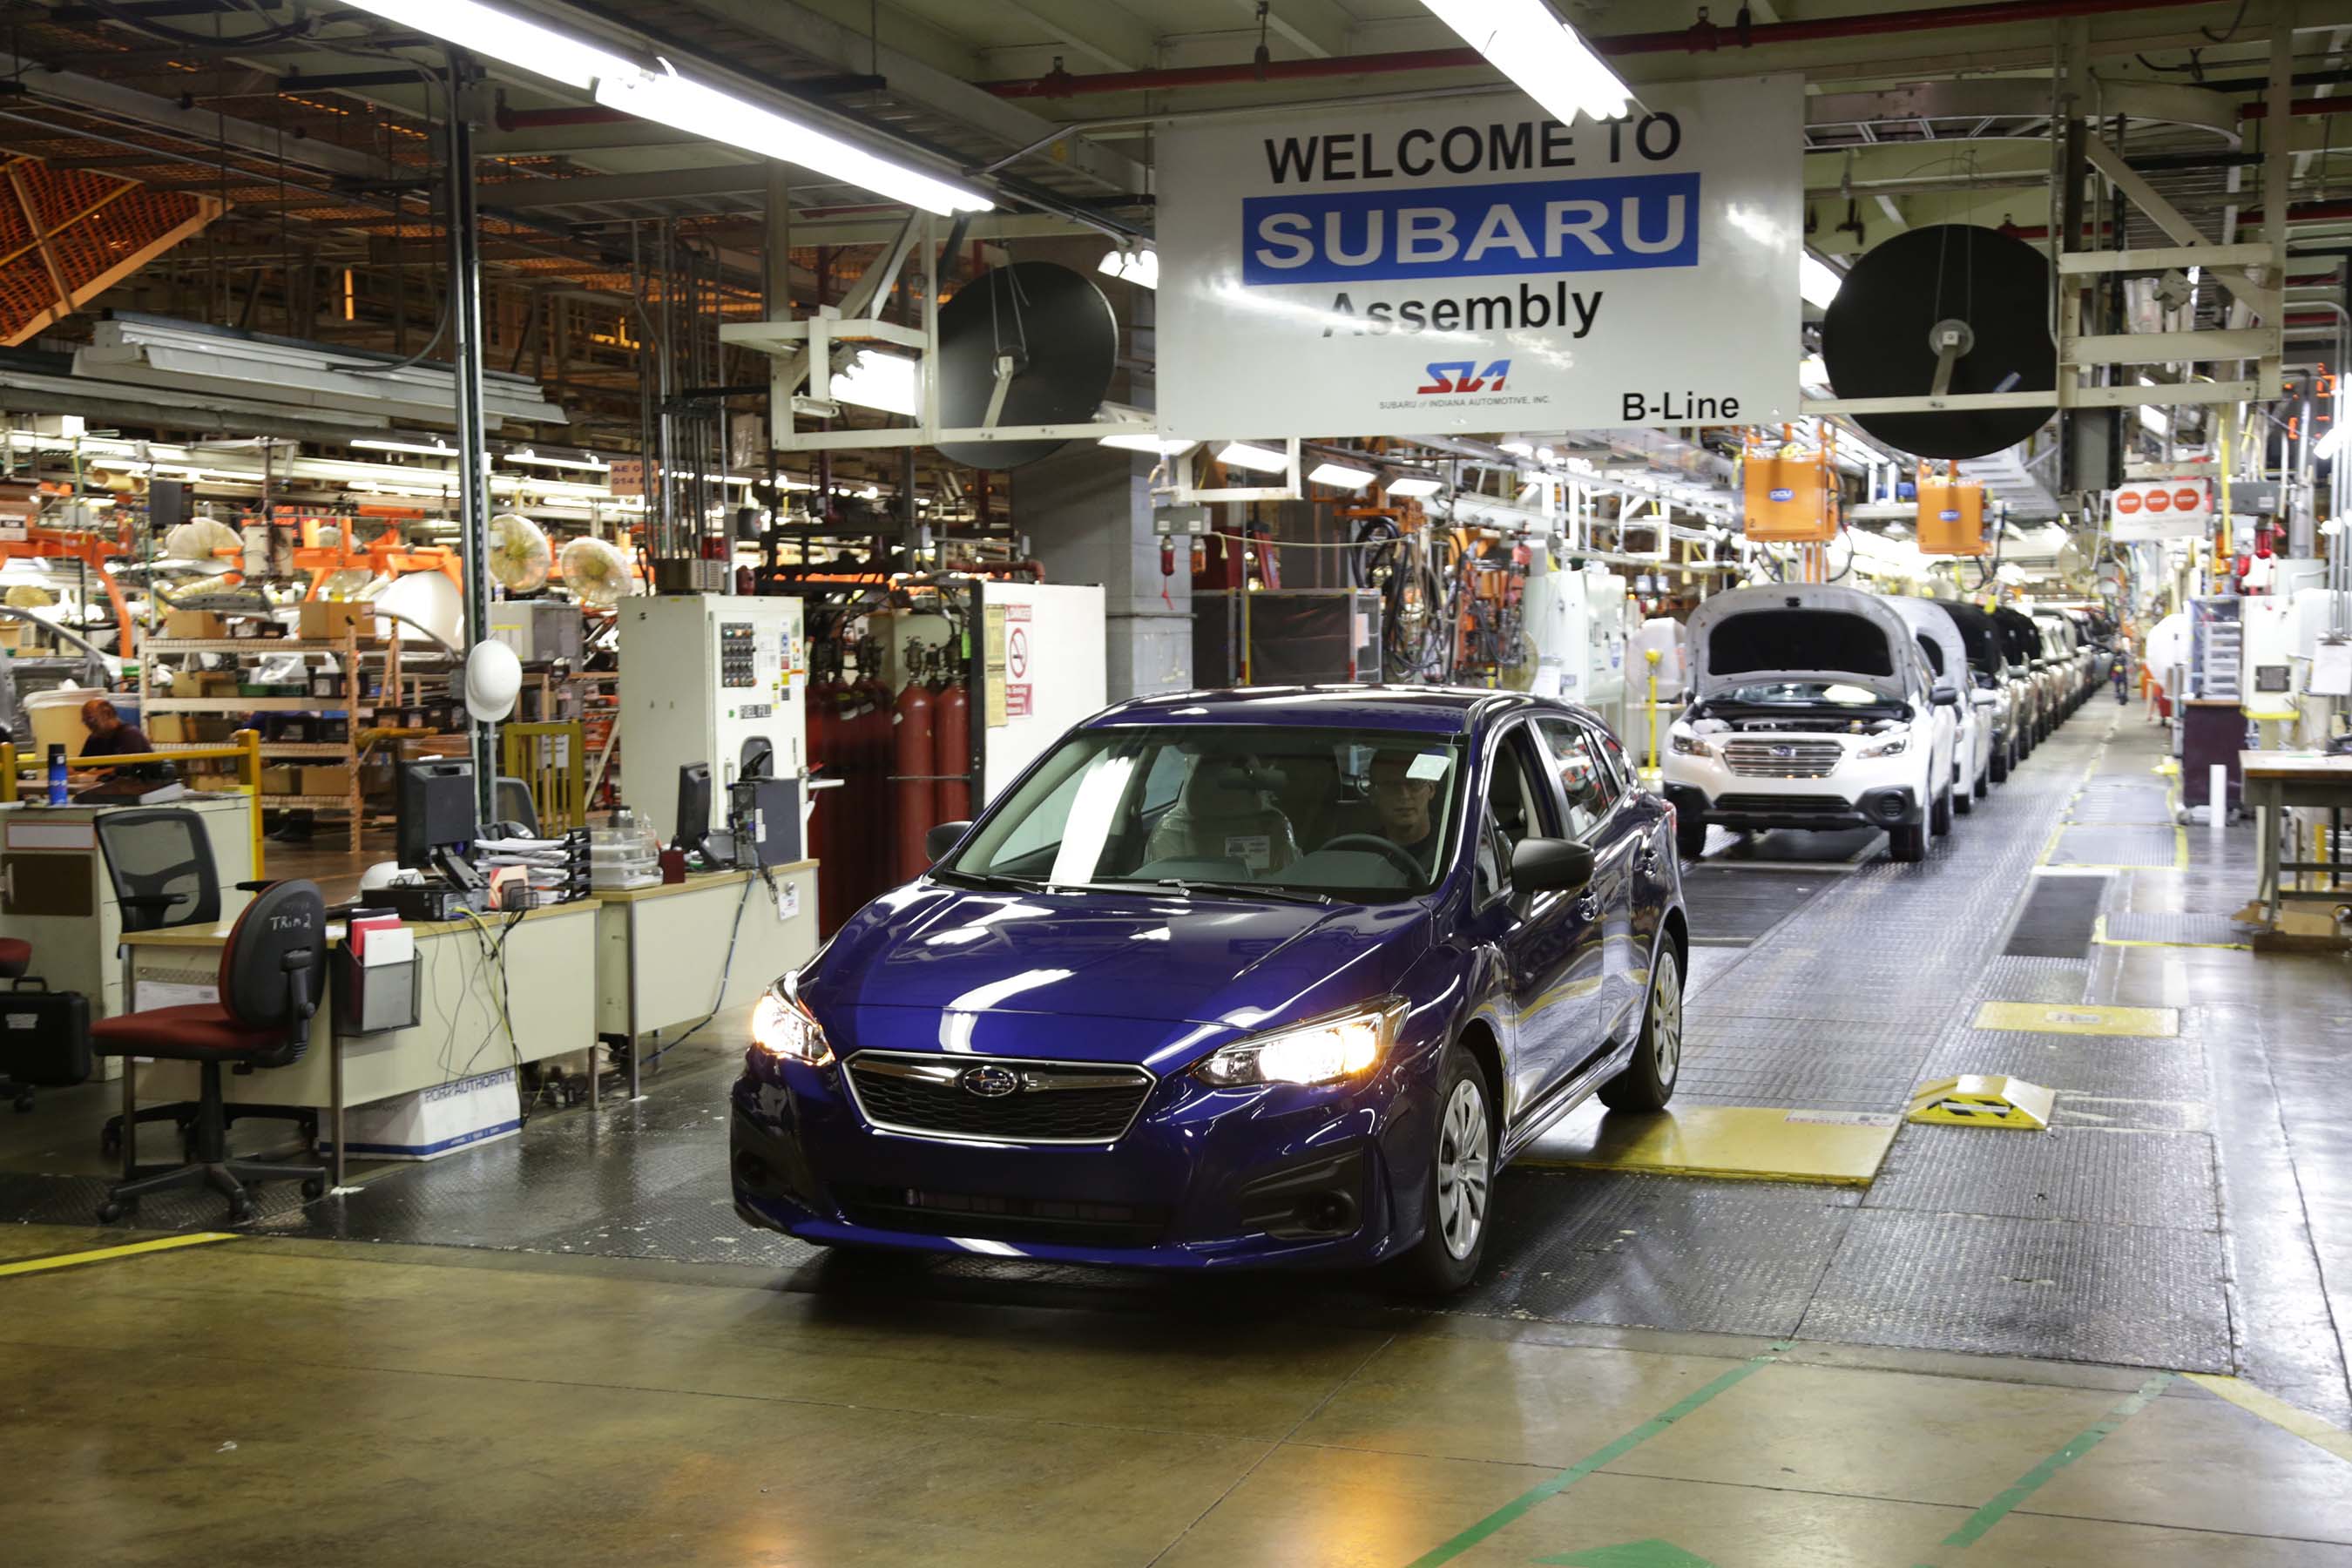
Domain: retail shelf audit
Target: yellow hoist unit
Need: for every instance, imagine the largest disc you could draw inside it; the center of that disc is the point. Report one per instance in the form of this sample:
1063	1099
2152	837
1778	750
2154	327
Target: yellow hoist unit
1986	1099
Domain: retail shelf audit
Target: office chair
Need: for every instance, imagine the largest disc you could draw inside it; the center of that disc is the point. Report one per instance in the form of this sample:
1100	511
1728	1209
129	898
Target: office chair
515	804
159	862
15	957
272	973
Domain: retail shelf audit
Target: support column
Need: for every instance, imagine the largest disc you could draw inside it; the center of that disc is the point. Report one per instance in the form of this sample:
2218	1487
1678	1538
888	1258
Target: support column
473	457
1087	514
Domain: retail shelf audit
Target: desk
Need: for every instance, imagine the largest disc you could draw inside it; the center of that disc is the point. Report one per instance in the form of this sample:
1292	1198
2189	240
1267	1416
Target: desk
459	1029
57	895
2277	779
661	952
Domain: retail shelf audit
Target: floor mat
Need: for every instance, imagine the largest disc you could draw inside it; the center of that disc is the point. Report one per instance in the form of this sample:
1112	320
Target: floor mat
2135	849
2059	919
1732	908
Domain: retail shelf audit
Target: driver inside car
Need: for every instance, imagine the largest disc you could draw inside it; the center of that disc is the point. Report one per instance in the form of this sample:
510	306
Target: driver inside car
1403	784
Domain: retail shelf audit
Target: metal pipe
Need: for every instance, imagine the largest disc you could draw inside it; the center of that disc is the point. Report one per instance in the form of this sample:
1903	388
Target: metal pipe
473	455
1703	37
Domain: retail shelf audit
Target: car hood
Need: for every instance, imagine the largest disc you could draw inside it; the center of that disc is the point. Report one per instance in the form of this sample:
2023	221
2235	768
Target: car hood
1203	961
1807	632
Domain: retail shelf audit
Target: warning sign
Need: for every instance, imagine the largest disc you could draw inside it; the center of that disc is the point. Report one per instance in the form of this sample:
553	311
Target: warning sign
993	663
1016	701
2160	509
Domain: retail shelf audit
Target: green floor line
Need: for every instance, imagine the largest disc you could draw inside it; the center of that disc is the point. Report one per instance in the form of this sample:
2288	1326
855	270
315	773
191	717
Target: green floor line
1583	1467
2025	1486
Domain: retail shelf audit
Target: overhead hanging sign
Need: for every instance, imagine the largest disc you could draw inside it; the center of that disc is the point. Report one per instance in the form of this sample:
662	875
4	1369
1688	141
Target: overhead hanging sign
1477	266
2160	509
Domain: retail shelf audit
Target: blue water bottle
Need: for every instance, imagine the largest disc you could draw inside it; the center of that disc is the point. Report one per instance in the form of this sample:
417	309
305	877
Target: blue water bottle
57	775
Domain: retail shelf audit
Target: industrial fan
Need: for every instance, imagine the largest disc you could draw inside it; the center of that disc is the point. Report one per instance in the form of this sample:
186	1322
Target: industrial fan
196	540
2074	563
348	582
520	555
596	573
1032	343
29	596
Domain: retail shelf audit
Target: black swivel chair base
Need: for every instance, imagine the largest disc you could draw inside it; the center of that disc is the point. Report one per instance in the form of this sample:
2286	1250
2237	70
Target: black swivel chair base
184	1113
212	1166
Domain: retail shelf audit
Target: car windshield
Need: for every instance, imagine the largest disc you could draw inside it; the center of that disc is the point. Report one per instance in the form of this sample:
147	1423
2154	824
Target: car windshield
1803	693
1267	809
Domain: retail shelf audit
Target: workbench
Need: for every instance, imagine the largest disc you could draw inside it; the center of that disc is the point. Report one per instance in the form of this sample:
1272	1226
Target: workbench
54	891
474	1014
662	952
2276	780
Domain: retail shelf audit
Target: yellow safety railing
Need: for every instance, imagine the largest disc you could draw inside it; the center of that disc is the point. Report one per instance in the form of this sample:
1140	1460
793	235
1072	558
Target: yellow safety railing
550	760
244	748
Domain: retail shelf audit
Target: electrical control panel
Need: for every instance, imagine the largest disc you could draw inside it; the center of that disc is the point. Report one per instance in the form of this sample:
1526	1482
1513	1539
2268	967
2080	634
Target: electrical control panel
708	679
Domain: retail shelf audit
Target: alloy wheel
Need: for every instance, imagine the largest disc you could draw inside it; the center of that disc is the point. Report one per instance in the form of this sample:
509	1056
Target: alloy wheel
1666	1020
1463	1169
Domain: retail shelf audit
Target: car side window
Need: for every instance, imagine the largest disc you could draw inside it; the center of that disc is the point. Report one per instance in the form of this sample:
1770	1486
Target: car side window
1587	779
1514	811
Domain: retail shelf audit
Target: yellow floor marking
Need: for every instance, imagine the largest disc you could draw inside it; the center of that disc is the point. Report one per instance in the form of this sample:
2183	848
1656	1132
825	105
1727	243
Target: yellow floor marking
1739	1143
2278	1413
2077	1018
73	1259
2099	935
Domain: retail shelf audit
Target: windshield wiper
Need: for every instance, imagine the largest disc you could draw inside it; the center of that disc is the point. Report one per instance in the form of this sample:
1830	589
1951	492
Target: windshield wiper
992	882
1248	890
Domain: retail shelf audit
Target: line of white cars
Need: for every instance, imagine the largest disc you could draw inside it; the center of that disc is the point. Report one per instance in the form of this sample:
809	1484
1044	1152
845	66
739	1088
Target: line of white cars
1822	706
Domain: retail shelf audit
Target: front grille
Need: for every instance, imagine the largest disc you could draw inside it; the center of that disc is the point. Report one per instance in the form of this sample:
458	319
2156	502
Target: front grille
1784	804
1783	759
1055	1103
1067	1220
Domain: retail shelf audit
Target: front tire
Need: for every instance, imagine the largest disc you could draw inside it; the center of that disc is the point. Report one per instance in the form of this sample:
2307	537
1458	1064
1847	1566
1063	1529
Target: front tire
1461	1181
1690	835
1648	1080
1908	844
1939	815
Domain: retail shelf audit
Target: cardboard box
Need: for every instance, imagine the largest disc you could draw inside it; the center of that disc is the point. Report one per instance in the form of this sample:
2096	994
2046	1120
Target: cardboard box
210	781
193	624
168	730
334	780
213	682
212	729
281	781
326	620
431	1122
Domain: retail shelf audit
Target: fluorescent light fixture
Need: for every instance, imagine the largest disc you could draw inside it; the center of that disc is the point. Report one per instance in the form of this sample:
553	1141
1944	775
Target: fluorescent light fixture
1341	476
502	36
1165	445
434	450
1519	448
2329	444
1545	455
2157	420
887	382
1539	52
1242	455
588	465
1817	280
1139	267
1414	489
683	104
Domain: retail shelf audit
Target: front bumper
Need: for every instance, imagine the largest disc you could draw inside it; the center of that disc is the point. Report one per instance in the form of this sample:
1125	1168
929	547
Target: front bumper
1860	793
1278	1176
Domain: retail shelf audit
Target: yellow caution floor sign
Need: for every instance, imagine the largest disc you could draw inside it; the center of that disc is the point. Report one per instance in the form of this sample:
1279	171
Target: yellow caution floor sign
1986	1099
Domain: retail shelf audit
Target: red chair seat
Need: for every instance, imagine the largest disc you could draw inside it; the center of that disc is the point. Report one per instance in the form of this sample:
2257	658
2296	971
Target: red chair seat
15	957
191	1033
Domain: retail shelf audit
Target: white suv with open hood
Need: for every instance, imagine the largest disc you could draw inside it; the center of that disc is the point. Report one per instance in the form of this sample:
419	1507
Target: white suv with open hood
1813	707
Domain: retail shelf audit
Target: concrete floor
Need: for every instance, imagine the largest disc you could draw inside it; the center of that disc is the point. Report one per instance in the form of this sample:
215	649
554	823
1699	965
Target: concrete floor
2104	1343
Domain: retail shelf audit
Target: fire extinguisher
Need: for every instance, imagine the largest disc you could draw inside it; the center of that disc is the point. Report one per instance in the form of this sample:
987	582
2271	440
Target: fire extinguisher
911	786
951	755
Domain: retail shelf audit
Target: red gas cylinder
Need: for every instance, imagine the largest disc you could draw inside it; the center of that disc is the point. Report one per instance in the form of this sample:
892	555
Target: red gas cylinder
951	755
911	789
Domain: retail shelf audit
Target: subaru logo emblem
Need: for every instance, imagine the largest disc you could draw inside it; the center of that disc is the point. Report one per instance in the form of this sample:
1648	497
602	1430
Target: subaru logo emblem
1784	751
991	1082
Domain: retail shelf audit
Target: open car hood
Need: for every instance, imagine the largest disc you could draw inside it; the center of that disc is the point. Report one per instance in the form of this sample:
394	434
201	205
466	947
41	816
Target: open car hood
1802	632
1929	619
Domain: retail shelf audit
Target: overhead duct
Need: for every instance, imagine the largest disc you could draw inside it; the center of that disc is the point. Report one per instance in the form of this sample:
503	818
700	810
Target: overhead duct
154	352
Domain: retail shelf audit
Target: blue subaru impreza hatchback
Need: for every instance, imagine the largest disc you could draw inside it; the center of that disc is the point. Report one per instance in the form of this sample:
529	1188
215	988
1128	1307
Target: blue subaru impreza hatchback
1239	978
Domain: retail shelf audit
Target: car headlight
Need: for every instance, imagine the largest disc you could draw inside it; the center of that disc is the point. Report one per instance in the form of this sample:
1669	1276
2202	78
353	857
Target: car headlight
1325	1050
1891	746
785	1029
1689	745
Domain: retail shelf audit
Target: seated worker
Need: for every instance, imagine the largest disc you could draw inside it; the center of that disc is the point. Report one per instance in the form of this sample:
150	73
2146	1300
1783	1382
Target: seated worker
110	737
1401	804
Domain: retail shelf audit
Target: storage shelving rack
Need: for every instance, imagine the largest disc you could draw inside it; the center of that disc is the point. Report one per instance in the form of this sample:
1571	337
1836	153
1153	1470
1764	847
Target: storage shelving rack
356	706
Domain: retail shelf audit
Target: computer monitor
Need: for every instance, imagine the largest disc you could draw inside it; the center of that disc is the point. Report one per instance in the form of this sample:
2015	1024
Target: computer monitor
437	811
693	826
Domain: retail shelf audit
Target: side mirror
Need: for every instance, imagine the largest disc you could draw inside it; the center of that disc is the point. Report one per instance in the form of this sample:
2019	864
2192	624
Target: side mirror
1947	697
941	841
1550	865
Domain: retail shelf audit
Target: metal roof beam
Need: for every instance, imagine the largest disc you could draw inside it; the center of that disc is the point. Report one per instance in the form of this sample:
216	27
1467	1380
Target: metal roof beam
203	127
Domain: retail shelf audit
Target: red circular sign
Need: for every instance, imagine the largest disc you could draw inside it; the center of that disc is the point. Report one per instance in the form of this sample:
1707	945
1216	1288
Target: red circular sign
1016	653
2159	502
2187	498
2127	501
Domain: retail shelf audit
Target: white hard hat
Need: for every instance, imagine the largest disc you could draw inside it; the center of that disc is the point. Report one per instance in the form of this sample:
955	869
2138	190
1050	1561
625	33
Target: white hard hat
383	874
493	678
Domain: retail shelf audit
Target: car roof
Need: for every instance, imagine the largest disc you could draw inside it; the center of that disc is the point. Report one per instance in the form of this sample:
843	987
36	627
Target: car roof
1424	710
